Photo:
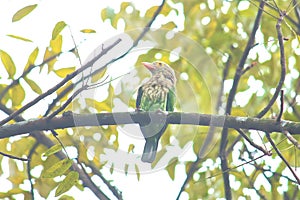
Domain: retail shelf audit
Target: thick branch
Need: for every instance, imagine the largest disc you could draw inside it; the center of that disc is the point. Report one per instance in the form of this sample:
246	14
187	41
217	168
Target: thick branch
69	119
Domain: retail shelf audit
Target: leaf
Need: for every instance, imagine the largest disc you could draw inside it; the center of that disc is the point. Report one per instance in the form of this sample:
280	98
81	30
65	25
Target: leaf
171	167
126	169
138	174
57	169
70	180
111	170
107	13
8	63
54	149
98	76
19	38
18	95
51	60
31	59
64	71
56	44
23	12
88	31
66	197
35	87
131	148
58	28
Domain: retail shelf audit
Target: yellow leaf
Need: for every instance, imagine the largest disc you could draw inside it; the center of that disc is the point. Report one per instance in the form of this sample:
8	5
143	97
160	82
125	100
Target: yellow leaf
18	95
58	28
23	12
31	59
171	167
19	38
70	180
88	31
56	44
131	148
66	197
8	63
35	87
48	56
57	169
98	76
64	71
54	149
138	174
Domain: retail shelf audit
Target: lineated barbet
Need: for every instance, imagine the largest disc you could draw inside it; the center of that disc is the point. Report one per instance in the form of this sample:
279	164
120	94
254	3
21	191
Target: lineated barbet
157	94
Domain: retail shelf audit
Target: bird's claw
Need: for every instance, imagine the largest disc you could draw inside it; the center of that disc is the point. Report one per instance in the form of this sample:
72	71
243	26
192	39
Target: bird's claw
138	109
160	111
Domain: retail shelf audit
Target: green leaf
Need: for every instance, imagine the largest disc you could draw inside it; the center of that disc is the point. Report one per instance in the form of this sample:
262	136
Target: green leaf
107	13
54	149
64	71
88	31
18	95
23	12
35	87
19	38
57	169
111	170
8	63
126	168
138	174
31	59
171	167
67	183
58	28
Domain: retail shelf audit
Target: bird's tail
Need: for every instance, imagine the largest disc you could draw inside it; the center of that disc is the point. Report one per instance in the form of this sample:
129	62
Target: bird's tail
150	149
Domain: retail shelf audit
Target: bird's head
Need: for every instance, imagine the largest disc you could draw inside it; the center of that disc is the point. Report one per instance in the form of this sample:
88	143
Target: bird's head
157	66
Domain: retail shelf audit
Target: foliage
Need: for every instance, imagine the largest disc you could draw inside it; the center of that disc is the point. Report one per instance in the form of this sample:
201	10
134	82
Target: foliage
196	38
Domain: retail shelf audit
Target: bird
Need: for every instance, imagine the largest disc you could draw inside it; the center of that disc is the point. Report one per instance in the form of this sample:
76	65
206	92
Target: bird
157	94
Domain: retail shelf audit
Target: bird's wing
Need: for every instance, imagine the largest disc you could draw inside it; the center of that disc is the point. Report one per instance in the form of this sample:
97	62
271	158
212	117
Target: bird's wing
171	97
139	97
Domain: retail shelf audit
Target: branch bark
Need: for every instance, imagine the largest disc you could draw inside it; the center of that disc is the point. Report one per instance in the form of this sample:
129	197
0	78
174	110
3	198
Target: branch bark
69	120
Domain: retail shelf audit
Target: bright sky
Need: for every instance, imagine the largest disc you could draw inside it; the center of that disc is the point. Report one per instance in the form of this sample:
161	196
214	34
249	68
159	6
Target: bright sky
37	26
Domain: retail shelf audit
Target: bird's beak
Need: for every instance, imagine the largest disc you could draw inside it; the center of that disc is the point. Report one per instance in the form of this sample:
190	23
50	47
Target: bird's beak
148	65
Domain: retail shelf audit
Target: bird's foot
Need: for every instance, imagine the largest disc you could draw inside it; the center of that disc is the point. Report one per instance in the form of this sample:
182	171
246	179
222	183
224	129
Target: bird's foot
138	109
160	111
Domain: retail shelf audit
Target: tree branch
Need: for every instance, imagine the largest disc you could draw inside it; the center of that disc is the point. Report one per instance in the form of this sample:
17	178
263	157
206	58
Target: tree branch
69	119
237	76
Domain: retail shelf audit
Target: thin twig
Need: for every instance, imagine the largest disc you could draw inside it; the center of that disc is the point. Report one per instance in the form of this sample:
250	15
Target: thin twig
13	157
241	132
60	84
87	175
281	156
231	96
55	134
283	68
32	150
135	43
291	139
28	70
96	171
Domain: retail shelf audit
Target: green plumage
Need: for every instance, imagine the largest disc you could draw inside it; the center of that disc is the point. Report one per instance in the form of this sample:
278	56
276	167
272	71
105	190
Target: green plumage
157	94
